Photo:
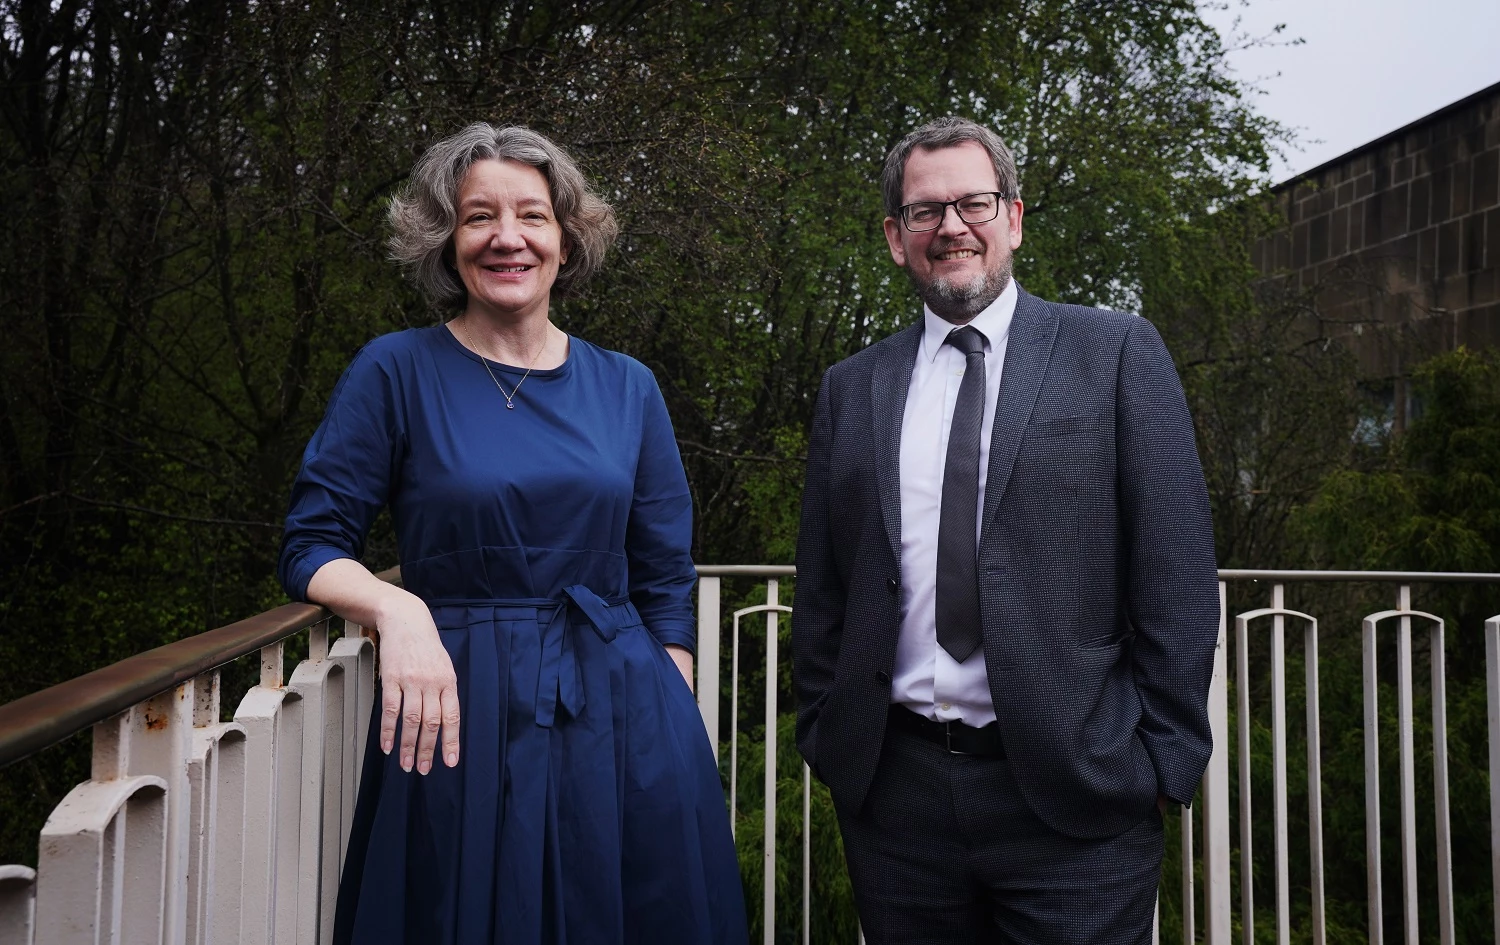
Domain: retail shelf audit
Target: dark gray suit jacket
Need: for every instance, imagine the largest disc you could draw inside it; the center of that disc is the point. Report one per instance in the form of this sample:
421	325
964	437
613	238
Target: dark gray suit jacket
1096	565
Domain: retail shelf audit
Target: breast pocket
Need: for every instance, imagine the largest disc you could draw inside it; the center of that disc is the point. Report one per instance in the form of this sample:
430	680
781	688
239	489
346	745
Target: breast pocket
1061	426
1065	449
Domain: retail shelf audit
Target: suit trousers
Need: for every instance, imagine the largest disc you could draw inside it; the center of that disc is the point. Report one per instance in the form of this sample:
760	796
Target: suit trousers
946	851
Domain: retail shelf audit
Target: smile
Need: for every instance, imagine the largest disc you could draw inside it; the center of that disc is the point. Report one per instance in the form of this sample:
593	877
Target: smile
508	268
957	254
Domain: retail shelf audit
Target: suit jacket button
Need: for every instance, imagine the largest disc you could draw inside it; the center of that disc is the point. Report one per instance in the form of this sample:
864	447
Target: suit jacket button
883	677
892	585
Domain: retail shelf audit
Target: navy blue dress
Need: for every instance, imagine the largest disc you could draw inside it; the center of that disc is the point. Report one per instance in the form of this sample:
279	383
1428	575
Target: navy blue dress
551	544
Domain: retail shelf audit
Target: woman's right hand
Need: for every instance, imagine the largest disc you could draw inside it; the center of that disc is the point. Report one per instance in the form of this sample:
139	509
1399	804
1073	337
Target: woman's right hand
417	683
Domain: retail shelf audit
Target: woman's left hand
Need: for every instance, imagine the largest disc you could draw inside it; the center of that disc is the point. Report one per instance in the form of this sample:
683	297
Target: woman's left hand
683	657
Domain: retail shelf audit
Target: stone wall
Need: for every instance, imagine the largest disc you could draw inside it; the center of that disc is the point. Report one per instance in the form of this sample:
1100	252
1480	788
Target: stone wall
1396	245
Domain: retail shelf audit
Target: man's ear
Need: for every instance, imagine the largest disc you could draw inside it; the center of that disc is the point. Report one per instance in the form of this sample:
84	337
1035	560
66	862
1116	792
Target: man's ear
1013	214
893	239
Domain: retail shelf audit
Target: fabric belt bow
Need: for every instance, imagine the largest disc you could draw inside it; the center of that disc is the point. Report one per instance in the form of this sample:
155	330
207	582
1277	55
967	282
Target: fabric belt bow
561	678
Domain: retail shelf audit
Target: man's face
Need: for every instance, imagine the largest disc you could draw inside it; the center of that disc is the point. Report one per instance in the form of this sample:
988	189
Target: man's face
958	268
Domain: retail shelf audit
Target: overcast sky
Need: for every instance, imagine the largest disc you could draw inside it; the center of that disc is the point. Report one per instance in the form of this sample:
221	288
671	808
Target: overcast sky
1365	67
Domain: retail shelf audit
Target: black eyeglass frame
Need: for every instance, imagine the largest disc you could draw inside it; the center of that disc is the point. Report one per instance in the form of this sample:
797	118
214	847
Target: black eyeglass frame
902	212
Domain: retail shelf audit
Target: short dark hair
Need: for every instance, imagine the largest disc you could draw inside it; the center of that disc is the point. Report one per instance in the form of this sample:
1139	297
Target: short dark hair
946	133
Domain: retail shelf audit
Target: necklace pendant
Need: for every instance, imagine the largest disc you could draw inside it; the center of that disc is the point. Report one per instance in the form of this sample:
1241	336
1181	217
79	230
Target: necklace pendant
509	405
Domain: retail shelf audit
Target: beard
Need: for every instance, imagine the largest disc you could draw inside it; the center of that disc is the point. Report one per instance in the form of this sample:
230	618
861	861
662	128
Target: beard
959	302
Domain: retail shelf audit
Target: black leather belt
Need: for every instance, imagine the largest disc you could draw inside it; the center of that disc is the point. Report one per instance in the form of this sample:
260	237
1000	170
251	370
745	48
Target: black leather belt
951	736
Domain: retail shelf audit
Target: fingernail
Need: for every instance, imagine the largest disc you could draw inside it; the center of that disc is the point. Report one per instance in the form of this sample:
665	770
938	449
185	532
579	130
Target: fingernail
452	759
385	747
425	766
406	762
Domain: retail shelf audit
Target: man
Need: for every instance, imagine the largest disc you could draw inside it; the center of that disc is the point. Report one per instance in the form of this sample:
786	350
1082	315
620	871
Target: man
1006	606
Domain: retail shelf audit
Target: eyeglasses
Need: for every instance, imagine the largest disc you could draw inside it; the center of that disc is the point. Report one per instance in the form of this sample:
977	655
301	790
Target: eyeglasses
973	210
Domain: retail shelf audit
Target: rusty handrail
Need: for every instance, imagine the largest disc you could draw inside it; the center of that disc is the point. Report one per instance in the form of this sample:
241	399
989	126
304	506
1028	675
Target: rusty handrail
44	718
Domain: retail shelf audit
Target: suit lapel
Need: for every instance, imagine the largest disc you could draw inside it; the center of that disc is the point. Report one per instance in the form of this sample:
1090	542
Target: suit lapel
1027	352
889	382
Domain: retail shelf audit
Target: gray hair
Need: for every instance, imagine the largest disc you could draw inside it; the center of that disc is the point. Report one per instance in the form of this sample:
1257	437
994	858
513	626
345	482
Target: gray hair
424	214
946	133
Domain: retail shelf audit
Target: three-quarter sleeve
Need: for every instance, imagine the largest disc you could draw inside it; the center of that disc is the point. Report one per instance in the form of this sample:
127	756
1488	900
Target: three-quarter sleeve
347	474
659	534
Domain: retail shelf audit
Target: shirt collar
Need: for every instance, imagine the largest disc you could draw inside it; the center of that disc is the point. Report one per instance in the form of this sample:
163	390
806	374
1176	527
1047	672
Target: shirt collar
993	323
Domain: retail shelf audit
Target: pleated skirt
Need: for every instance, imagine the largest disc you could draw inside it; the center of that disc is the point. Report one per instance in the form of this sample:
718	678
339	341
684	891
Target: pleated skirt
586	807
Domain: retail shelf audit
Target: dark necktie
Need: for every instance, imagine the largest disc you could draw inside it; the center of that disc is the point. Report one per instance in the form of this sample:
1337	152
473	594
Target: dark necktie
958	556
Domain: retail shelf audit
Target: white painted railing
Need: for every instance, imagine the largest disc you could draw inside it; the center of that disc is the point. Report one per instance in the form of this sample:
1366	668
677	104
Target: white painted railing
1211	815
1401	617
253	852
252	855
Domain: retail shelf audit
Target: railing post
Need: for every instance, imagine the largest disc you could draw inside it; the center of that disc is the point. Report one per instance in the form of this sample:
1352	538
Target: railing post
1189	920
1242	733
271	716
708	657
17	904
356	653
272	674
161	743
1447	931
1408	764
806	855
1215	803
1492	704
216	795
1315	786
1278	782
88	891
312	883
772	600
220	918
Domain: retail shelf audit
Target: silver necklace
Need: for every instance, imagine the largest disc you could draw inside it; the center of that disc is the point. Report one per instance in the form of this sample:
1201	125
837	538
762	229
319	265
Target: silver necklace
510	397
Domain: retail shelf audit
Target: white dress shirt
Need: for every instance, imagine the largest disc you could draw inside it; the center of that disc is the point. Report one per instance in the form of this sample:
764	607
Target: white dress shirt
926	679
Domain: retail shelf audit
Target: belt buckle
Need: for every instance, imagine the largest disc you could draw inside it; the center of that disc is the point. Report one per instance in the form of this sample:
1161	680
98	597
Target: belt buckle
948	740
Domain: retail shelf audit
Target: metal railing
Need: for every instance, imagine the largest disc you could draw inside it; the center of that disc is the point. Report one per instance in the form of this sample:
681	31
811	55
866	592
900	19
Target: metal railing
254	854
1213	810
1215	788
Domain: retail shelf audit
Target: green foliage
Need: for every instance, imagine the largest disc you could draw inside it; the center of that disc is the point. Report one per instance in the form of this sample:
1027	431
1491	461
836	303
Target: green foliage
1430	499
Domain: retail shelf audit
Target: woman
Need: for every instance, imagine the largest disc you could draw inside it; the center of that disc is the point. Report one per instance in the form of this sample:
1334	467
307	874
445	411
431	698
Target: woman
542	645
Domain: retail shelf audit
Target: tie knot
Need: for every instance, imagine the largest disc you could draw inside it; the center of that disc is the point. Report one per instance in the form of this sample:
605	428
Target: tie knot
966	339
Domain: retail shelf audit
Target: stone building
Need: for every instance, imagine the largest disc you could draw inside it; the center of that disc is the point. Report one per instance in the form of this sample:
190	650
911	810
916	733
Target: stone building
1394	247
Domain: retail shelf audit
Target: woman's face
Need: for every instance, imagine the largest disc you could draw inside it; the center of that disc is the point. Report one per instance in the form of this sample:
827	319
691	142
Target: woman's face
508	244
